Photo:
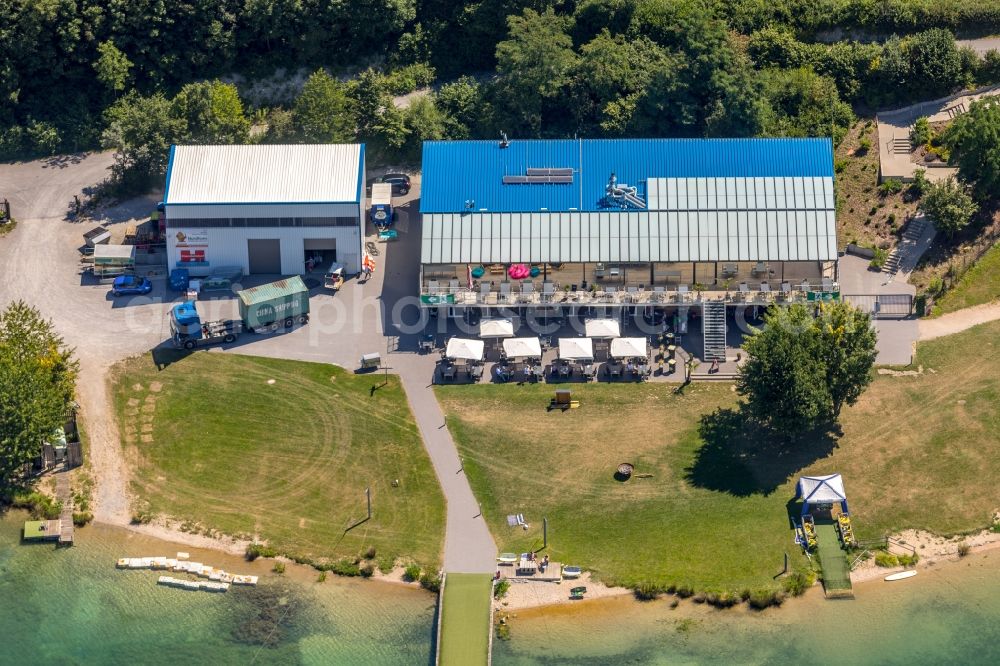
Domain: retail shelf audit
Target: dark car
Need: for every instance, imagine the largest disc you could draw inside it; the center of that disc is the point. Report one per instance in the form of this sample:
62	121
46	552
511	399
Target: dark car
131	285
400	182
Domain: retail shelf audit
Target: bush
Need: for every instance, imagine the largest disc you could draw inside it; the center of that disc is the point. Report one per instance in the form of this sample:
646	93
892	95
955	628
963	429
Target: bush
949	206
142	517
920	182
964	549
412	573
431	582
647	591
322	577
878	261
370	553
921	132
344	568
884	559
41	506
255	550
908	560
684	592
278	568
890	186
935	287
864	146
761	599
407	79
839	165
367	570
797	583
501	588
81	518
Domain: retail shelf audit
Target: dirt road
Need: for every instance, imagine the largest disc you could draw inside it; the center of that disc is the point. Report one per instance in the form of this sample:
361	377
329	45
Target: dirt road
958	321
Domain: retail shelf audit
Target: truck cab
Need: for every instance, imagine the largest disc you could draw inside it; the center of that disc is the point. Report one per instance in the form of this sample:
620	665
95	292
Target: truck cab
381	212
188	331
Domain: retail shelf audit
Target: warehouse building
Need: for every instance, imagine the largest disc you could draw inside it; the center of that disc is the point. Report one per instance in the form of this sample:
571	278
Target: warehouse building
269	209
622	225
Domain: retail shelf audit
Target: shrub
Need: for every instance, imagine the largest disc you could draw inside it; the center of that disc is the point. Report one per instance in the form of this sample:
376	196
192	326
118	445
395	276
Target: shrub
41	506
908	560
81	518
501	588
407	79
920	182
964	549
321	578
431	582
412	573
864	146
344	568
142	517
840	165
878	261
503	631
370	553
367	570
255	550
884	559
921	132
647	591
949	205
797	583
761	599
683	591
890	186
278	568
935	287
891	219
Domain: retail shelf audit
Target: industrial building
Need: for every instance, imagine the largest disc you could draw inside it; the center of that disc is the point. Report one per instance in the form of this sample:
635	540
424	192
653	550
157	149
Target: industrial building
618	225
269	209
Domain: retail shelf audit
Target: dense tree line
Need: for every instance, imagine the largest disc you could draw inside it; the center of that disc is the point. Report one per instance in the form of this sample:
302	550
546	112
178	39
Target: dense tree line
77	72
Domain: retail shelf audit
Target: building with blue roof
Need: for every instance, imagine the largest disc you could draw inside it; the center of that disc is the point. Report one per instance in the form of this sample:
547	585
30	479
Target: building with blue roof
627	223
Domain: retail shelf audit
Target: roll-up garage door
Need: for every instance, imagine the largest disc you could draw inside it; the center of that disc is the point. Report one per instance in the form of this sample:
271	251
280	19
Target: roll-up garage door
265	255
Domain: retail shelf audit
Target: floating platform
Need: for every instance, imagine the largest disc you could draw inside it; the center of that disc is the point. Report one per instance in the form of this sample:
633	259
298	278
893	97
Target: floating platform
42	530
182	566
207	586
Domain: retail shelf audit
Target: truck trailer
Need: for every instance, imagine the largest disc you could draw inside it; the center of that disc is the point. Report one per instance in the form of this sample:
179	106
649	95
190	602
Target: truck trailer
267	307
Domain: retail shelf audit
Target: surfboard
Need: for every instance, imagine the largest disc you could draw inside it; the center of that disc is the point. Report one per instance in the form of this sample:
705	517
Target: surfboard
901	575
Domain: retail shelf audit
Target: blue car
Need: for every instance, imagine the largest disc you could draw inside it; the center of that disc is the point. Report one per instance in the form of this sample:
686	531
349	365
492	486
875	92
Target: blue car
131	285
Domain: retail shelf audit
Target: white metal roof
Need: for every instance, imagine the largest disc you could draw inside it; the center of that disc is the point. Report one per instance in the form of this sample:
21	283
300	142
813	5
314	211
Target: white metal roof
522	347
689	219
602	328
628	347
102	251
822	489
576	349
496	328
471	350
316	173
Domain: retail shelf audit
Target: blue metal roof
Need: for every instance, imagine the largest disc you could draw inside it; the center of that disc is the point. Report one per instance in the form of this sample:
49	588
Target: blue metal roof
457	172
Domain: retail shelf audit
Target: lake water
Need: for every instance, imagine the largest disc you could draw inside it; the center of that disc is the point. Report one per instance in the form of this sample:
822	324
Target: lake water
72	606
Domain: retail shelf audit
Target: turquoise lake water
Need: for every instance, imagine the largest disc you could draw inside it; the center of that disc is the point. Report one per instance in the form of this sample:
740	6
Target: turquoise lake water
71	606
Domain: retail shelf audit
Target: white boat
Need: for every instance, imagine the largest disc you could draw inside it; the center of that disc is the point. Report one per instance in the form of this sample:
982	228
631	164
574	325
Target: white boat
571	572
901	575
182	556
507	558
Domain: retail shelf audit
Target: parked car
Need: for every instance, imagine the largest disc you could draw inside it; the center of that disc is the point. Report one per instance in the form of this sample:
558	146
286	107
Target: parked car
180	279
131	285
400	182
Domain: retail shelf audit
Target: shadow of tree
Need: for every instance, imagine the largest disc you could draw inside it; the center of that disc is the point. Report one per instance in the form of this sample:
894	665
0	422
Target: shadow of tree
744	457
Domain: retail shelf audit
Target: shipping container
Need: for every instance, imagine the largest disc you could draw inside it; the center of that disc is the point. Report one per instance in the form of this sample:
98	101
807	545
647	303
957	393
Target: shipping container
269	306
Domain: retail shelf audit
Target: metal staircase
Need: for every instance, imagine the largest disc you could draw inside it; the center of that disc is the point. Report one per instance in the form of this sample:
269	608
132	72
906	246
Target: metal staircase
713	331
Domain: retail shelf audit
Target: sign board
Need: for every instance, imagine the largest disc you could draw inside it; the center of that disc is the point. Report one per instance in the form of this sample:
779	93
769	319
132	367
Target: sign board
191	237
823	296
437	300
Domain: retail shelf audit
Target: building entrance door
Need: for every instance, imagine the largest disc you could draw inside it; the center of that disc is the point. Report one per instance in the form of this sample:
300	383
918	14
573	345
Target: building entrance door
264	255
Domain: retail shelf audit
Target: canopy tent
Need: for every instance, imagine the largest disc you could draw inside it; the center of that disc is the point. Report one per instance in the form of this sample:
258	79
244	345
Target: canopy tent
821	490
462	348
496	328
522	348
117	255
576	349
628	347
602	328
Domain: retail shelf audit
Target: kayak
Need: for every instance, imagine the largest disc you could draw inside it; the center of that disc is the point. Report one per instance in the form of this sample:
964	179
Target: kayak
901	575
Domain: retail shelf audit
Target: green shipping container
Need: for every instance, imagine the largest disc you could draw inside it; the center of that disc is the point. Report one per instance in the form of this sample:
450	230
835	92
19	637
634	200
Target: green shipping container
281	303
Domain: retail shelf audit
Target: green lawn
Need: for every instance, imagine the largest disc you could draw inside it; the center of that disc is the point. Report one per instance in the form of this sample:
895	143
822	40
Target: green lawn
920	452
980	284
215	442
465	619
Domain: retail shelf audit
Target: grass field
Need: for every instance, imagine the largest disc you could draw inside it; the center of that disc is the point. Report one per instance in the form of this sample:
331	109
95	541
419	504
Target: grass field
216	443
465	619
980	284
920	452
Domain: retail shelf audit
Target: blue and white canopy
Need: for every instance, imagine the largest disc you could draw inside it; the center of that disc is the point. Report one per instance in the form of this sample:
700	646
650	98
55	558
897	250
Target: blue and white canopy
822	489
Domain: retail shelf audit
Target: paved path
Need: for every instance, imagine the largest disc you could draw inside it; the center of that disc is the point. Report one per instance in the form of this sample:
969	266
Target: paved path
981	45
958	321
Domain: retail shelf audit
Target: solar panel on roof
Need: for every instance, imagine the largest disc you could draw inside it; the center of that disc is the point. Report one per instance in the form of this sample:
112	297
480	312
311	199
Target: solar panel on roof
550	172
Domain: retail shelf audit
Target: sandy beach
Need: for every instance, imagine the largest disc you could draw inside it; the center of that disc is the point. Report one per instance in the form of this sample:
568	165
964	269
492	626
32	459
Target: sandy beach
932	550
534	594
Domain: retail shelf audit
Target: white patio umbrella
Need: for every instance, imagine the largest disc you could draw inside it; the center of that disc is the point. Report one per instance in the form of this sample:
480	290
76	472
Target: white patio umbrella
628	347
576	349
522	348
602	328
462	348
496	328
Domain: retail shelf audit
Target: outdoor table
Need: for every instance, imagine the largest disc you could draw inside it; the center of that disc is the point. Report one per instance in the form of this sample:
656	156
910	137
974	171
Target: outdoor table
671	350
476	371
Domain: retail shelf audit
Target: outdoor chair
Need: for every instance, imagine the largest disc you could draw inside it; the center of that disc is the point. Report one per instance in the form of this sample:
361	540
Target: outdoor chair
827	284
804	286
484	290
433	287
548	290
633	294
453	286
505	292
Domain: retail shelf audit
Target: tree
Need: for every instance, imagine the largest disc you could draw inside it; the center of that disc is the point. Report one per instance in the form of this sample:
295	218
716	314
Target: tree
802	103
423	122
801	369
974	141
112	66
141	131
534	64
323	110
935	63
212	113
37	374
463	106
948	205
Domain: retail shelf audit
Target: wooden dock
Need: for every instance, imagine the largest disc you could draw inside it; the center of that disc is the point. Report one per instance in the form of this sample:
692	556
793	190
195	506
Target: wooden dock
64	495
519	573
